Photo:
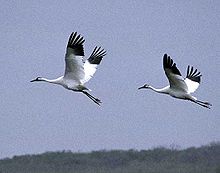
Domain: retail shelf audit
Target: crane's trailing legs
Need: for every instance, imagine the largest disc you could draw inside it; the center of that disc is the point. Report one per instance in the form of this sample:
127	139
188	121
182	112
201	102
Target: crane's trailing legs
96	100
201	103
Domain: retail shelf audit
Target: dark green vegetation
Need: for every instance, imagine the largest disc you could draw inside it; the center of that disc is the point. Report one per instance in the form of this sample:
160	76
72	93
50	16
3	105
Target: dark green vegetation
205	159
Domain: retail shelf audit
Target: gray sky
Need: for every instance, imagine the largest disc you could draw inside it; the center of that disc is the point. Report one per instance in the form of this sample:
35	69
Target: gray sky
39	117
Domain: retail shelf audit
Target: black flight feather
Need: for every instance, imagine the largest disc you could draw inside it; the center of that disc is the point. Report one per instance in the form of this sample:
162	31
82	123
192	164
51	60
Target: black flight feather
169	64
193	75
76	43
97	55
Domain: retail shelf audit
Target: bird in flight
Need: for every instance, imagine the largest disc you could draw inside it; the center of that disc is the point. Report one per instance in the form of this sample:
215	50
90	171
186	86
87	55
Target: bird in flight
179	87
77	71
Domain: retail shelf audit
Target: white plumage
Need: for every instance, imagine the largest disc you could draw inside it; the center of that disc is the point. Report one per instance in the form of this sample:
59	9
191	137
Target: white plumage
78	72
179	87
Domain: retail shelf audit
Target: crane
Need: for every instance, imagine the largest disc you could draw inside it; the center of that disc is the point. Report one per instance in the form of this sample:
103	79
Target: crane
77	71
179	87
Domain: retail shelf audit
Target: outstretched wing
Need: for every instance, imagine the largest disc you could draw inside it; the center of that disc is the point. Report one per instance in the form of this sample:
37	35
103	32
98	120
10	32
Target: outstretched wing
92	62
74	58
173	74
192	80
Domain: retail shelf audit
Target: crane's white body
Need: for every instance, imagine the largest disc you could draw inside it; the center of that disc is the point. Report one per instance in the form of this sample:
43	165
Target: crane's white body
77	72
179	87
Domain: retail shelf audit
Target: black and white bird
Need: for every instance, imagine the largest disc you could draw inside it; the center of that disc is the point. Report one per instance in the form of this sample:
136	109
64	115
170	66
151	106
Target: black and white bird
77	71
180	87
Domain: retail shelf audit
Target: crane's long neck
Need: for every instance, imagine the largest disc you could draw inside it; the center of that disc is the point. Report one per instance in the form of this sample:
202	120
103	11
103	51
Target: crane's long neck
164	90
54	81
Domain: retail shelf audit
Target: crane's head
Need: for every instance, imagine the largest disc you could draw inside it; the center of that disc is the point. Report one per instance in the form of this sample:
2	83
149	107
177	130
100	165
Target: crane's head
37	79
146	86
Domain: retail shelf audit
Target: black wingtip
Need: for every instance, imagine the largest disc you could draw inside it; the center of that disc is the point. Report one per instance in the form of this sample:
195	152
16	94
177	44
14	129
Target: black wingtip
76	43
169	64
193	75
97	55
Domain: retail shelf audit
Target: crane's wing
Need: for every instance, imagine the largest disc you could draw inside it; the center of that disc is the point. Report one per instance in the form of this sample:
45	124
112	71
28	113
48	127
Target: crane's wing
92	62
74	58
173	74
192	80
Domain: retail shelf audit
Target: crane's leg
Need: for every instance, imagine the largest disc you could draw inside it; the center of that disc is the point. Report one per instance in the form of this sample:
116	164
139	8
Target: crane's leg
96	100
201	103
206	103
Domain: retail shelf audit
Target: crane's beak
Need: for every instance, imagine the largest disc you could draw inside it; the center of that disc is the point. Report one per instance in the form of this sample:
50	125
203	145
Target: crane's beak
141	87
33	80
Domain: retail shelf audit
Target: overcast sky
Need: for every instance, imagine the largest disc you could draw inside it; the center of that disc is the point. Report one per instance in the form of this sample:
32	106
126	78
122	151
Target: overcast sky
40	117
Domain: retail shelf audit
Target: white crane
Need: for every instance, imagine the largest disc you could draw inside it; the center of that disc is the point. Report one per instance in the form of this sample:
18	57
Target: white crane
179	87
78	72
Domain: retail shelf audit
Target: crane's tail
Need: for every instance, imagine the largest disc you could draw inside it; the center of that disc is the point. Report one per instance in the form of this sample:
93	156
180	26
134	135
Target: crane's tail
96	100
204	104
